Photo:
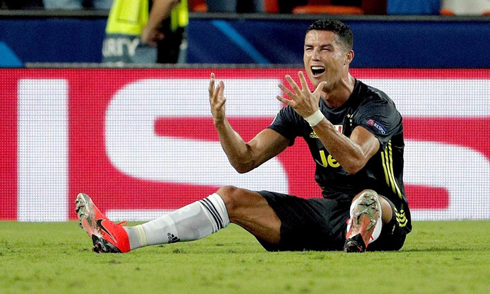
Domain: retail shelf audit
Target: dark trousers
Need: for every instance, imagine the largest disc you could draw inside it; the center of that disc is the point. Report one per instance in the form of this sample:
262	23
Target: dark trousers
169	47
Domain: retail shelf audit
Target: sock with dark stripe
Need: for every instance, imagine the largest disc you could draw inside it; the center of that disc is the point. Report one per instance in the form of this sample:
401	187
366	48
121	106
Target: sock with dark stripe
192	222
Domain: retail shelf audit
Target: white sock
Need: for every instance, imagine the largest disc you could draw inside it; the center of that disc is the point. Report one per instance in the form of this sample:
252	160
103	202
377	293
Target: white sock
192	222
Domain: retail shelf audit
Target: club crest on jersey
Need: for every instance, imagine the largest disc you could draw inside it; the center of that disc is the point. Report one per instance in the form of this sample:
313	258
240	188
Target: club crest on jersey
339	129
376	126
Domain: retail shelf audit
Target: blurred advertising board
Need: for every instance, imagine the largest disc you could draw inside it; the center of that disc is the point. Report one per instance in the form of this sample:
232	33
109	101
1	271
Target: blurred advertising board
141	142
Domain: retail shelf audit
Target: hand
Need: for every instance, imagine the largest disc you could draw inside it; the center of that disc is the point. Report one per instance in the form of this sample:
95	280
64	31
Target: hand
150	37
217	100
302	100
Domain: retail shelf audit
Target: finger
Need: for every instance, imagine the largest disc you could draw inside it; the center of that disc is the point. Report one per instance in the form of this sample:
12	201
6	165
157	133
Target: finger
284	100
150	43
302	79
319	88
220	98
293	84
287	91
211	84
221	103
218	95
221	89
214	96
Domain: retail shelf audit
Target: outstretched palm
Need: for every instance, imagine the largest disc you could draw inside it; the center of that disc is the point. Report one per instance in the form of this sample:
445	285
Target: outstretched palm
217	100
302	100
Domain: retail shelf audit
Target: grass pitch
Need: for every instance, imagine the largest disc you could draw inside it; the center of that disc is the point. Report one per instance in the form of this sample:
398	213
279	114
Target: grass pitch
438	257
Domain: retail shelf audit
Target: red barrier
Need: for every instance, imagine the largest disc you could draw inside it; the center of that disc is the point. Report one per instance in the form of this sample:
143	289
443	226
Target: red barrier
141	141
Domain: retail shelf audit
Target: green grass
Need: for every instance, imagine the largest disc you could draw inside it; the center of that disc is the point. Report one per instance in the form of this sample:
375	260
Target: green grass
438	257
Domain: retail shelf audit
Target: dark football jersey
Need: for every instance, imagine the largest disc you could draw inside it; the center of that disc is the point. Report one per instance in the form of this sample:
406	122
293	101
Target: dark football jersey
373	110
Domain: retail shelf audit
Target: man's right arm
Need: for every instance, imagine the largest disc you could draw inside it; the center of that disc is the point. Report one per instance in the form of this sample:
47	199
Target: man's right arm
243	156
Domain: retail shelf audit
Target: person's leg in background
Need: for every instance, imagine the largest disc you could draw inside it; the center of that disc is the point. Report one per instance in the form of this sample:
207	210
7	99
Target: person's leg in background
259	6
24	4
169	49
102	4
222	5
183	48
286	6
250	6
63	4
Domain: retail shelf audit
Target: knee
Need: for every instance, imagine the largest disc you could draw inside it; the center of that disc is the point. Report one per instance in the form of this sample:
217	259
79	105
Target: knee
386	209
366	193
232	197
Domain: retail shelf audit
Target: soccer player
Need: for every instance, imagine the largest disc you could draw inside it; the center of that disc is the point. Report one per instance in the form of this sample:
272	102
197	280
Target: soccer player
355	136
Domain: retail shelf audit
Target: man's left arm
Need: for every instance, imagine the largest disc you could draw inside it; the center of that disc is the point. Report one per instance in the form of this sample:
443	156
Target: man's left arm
351	153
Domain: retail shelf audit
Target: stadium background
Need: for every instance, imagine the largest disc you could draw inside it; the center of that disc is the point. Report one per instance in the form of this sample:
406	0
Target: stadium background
141	141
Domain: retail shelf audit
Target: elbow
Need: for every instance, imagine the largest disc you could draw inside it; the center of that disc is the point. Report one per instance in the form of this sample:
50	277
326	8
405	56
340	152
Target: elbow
243	163
352	170
242	171
355	163
242	167
354	167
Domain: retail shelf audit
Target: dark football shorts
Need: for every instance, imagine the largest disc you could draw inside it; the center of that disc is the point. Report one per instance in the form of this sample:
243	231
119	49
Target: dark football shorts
392	235
321	224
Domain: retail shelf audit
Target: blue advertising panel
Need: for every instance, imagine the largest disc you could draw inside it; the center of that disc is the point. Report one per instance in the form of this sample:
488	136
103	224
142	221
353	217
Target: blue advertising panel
378	42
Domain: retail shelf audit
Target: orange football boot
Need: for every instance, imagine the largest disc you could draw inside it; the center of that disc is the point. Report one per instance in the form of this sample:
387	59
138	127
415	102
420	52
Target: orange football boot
366	214
107	236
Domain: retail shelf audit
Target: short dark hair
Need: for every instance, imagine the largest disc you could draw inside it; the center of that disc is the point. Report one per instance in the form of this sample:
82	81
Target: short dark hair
342	30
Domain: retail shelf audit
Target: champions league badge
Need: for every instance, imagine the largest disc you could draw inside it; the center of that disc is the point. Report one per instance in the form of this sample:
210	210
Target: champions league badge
376	126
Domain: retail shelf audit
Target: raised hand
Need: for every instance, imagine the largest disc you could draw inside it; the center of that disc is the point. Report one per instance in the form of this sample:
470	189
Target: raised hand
302	100
217	100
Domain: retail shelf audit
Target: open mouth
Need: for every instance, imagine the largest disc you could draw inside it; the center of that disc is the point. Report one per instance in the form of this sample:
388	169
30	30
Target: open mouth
317	70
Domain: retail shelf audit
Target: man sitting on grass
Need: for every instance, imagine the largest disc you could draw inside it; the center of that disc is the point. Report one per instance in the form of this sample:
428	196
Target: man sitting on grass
355	135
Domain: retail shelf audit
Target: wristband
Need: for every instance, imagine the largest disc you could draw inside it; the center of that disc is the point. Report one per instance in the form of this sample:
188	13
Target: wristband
315	118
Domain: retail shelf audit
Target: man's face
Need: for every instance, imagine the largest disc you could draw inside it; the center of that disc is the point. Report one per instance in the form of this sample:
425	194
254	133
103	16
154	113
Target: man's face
325	58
